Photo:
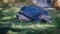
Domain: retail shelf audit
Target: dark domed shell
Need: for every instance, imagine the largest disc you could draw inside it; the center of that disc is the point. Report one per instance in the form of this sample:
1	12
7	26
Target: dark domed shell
31	11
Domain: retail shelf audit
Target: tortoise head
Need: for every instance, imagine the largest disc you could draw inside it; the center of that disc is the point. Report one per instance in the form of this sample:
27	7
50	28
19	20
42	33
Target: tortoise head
46	18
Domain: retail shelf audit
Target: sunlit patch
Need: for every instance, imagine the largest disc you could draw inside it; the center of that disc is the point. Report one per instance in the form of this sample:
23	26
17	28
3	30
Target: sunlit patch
5	1
11	32
59	15
5	11
5	18
1	8
16	9
44	26
33	26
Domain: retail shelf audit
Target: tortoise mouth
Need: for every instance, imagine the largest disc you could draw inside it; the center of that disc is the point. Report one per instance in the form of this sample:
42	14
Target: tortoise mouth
44	21
47	20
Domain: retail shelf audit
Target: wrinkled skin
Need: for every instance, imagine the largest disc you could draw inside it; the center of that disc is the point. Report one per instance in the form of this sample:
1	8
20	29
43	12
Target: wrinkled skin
36	14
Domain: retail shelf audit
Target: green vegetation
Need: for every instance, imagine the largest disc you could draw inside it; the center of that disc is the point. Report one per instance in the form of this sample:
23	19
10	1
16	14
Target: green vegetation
9	22
10	25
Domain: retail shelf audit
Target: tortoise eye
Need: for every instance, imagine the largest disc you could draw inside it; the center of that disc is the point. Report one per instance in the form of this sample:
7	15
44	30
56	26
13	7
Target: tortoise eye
50	18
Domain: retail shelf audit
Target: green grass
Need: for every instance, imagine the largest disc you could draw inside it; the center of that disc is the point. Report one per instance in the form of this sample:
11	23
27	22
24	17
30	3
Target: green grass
7	19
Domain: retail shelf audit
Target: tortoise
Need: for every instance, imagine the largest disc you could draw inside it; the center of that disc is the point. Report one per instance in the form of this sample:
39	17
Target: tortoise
34	13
